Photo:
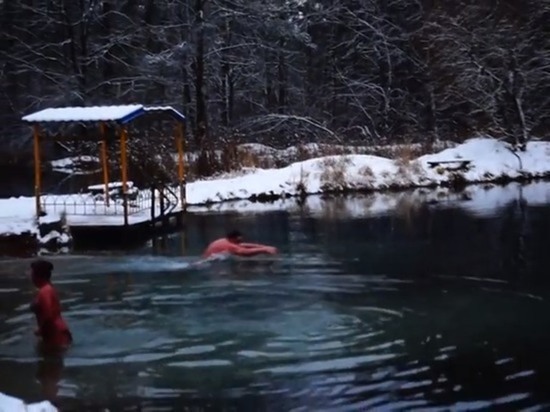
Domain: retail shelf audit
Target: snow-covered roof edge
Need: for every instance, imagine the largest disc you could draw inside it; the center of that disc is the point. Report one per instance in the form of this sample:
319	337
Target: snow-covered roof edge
169	109
84	114
122	114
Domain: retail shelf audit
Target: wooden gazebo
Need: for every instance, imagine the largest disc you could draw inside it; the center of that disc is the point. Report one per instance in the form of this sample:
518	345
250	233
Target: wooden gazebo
108	122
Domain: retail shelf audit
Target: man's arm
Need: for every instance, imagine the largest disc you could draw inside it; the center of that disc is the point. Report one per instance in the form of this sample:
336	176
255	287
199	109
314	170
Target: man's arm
252	245
239	250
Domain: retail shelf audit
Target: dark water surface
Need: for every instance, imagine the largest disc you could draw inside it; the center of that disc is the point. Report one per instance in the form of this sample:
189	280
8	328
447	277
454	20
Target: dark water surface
446	308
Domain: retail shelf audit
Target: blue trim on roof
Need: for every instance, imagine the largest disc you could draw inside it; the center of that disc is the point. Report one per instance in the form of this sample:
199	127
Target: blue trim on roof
177	115
131	116
145	110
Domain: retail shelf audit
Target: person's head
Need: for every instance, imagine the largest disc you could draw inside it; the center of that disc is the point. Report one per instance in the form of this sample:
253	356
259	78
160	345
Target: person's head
234	236
41	272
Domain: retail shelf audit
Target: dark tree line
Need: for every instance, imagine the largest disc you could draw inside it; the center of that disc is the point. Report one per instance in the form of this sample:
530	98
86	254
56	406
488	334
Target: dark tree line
281	71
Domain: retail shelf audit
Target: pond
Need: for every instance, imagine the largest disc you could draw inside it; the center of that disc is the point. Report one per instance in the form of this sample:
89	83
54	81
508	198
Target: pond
445	307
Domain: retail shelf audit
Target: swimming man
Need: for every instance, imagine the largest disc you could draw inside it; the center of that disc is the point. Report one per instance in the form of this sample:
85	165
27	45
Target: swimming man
233	244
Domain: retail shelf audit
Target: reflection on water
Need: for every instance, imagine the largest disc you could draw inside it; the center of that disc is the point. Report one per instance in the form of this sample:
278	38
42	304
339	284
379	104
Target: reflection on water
441	309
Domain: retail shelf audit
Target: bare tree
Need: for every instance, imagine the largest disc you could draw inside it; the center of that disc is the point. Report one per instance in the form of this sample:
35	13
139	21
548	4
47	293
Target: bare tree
496	68
286	71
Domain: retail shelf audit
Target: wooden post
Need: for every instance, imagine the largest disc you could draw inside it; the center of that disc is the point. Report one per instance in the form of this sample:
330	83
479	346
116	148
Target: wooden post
183	242
161	203
124	172
104	162
181	163
153	190
37	170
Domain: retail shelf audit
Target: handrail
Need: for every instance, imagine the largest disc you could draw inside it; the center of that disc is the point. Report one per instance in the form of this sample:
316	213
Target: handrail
167	198
175	199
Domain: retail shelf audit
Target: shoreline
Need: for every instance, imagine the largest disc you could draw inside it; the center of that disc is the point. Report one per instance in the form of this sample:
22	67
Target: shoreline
457	187
352	205
478	161
372	203
491	162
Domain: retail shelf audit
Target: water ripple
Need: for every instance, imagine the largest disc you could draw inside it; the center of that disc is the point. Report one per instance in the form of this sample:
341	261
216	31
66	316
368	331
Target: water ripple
312	334
328	365
201	363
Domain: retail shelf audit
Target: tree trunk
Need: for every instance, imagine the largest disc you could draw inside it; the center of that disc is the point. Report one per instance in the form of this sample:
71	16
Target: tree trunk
433	128
225	76
108	69
204	162
200	113
281	74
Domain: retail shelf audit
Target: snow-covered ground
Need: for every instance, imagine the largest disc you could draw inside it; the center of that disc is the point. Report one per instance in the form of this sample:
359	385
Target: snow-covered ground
17	217
11	404
76	165
491	160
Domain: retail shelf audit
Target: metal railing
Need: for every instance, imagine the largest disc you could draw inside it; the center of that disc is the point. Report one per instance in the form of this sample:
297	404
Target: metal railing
90	204
158	201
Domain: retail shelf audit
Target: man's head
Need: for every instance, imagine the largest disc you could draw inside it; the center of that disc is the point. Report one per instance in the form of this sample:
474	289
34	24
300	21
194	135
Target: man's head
41	272
234	236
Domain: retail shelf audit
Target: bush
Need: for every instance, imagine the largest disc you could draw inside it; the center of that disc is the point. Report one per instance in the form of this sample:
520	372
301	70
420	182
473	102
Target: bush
334	172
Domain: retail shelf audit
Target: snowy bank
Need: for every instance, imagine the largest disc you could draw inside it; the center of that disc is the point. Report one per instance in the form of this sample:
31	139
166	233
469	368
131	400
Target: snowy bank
17	220
11	404
489	160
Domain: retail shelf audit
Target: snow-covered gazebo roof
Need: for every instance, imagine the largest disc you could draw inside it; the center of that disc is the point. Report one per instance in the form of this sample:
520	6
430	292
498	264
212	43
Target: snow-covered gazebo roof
120	114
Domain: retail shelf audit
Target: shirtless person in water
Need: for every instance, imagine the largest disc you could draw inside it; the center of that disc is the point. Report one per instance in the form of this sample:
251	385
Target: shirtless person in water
52	328
233	244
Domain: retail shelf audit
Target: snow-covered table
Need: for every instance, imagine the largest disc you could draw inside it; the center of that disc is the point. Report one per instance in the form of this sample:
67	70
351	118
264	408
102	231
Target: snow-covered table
460	164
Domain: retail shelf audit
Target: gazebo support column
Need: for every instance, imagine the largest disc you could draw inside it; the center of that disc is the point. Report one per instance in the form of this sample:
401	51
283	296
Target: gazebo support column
37	170
104	162
124	172
180	133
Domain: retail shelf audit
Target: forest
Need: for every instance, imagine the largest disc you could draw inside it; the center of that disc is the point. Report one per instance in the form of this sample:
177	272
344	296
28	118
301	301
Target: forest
282	72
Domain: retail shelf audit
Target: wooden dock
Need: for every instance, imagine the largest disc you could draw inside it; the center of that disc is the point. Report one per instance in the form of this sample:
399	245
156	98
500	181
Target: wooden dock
92	218
117	210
